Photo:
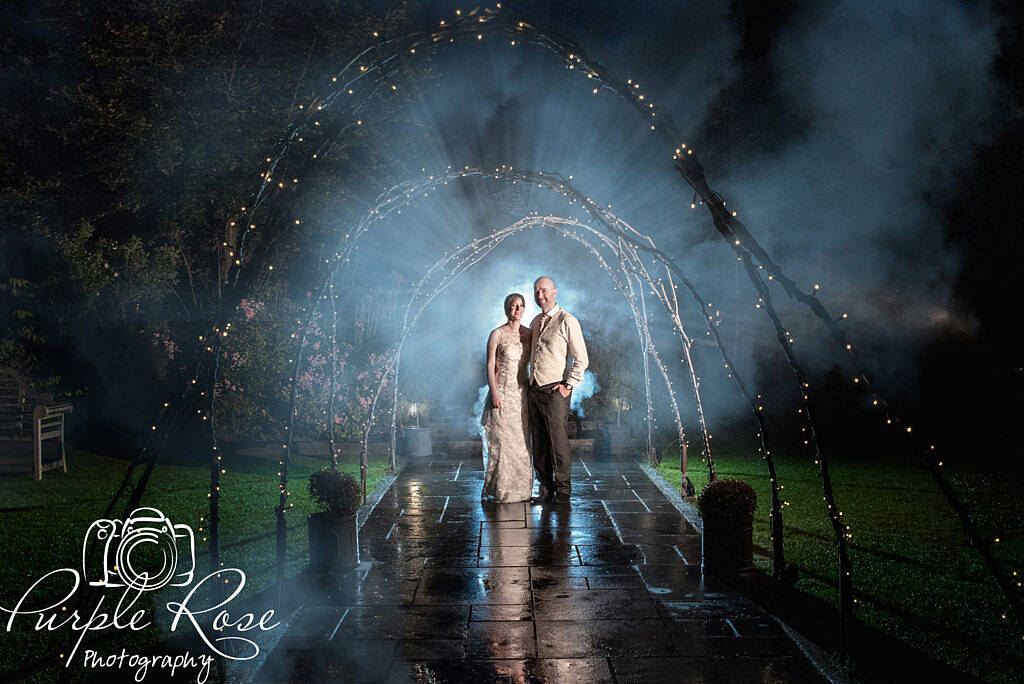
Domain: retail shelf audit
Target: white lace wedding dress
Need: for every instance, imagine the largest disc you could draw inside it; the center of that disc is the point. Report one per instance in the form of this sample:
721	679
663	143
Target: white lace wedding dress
509	475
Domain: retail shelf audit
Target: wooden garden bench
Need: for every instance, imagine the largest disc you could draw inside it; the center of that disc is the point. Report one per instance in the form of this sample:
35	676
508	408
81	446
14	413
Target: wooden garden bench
28	418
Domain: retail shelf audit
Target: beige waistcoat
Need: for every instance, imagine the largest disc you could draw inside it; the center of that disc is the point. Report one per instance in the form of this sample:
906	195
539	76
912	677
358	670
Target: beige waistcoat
551	350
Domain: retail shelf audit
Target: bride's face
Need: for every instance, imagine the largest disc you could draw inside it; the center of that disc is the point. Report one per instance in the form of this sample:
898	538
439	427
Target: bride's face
516	310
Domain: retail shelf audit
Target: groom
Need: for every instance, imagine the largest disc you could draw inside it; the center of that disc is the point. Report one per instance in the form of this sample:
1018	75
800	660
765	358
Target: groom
556	336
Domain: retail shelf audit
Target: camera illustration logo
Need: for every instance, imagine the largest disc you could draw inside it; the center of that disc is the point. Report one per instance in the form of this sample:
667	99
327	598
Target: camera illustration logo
144	551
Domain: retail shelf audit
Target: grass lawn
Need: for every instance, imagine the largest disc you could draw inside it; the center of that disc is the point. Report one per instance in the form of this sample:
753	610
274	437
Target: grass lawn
914	576
43	524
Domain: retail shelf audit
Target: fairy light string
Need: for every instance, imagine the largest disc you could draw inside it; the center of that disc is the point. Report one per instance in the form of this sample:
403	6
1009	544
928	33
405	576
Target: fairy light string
572	54
331	411
626	287
627	262
471	254
665	124
392	200
647	344
216	470
399	196
840	530
159	438
391	368
215	462
749	251
670	300
687	486
674	315
294	363
378	71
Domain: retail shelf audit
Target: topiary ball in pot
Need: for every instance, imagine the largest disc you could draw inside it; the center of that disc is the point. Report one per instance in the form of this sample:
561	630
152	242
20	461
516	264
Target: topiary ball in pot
336	491
333	533
727	507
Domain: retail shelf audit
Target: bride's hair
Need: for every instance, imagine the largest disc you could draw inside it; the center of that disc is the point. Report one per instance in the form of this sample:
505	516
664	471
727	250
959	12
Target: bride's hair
512	297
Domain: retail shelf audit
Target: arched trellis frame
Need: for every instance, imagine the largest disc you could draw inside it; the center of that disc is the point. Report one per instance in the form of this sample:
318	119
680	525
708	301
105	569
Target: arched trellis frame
378	70
628	246
626	279
395	199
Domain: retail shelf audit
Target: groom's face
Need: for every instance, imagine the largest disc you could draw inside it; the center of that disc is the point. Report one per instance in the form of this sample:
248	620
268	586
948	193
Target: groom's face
544	293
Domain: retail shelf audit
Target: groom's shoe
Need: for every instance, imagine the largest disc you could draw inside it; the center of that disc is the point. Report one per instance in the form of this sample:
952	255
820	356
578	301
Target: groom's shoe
544	496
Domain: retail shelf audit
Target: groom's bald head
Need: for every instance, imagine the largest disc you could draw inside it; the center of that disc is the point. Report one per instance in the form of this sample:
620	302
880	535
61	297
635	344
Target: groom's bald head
544	293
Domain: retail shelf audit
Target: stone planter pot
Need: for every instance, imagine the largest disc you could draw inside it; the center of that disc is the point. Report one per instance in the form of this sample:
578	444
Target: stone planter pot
333	542
619	440
417	442
727	549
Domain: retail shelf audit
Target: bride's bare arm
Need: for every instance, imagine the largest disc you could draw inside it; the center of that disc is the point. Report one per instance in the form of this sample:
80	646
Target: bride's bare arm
492	367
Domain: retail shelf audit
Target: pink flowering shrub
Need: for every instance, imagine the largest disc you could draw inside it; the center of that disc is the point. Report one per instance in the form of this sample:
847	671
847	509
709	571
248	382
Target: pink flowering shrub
164	345
252	394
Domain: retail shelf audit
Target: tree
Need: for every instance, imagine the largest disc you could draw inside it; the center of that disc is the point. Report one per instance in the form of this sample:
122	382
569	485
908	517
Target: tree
133	133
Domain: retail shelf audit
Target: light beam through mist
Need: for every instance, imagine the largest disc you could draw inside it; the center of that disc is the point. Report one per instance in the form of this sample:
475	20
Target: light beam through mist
327	119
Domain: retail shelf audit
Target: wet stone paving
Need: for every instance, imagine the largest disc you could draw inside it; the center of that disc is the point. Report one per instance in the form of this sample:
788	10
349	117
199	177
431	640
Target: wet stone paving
606	589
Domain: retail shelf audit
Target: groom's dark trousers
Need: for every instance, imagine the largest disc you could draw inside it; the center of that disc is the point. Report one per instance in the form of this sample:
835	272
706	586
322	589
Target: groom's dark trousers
549	411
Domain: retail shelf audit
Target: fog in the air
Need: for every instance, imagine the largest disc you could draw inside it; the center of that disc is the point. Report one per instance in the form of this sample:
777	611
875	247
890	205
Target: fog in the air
836	147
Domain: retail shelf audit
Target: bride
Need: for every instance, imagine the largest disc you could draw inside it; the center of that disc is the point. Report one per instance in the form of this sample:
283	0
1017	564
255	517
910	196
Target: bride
509	475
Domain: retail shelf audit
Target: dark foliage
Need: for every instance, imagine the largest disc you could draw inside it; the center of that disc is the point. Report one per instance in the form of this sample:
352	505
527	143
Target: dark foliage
728	502
336	491
132	134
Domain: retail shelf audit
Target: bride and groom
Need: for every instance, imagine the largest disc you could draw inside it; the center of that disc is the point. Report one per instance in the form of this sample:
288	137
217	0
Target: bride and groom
525	413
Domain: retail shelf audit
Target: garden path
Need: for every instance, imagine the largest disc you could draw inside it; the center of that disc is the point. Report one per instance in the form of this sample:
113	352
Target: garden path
607	589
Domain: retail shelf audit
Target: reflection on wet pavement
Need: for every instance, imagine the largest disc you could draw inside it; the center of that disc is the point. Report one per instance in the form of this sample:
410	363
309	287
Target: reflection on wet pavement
607	589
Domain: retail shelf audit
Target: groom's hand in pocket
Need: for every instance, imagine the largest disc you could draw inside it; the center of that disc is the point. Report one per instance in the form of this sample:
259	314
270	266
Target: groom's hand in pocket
562	389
